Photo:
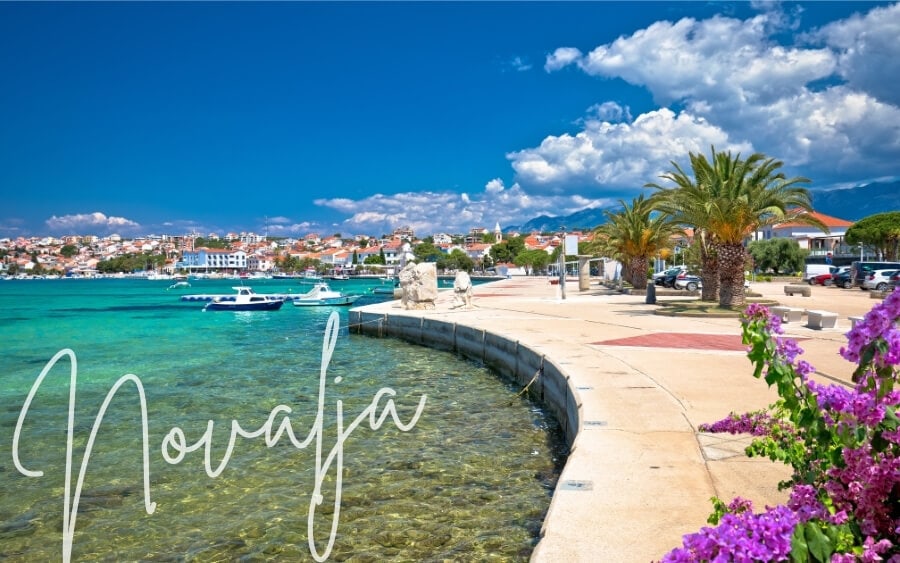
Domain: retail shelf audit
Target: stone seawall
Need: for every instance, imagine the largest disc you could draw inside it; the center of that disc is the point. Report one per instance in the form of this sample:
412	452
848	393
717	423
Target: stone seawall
547	382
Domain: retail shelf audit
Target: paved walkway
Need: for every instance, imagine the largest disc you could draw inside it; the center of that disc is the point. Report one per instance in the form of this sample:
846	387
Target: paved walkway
639	475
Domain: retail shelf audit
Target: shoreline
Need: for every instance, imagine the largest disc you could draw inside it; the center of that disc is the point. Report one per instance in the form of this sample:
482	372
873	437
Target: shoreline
629	394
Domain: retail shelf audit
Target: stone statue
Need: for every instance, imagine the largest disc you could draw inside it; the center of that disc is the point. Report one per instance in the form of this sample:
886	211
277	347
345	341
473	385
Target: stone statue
418	284
462	291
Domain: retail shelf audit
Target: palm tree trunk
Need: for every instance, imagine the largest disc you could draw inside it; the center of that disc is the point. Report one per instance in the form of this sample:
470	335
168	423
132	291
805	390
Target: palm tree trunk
639	272
731	275
709	275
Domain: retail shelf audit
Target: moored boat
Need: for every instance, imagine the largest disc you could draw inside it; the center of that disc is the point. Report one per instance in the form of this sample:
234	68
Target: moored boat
322	295
245	300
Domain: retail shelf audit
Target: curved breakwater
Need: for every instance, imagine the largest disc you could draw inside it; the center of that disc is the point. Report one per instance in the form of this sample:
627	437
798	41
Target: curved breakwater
510	358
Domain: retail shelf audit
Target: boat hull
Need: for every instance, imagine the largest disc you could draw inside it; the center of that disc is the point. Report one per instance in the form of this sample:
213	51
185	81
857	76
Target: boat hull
326	302
231	306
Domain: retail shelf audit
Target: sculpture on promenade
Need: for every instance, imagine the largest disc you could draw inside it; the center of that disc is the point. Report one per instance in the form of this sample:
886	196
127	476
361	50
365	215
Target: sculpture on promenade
462	291
418	284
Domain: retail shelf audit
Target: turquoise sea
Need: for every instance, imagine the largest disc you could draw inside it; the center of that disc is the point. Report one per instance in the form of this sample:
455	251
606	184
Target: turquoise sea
470	480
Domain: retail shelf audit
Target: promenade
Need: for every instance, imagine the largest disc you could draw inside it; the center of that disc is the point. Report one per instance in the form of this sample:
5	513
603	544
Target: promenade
639	474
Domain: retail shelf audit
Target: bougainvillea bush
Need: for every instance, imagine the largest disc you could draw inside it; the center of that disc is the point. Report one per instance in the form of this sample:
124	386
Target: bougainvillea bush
842	443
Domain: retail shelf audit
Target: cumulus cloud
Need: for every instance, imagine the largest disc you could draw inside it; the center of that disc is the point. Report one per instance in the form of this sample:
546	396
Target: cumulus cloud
95	221
822	106
285	227
433	211
867	51
562	57
618	155
609	111
494	186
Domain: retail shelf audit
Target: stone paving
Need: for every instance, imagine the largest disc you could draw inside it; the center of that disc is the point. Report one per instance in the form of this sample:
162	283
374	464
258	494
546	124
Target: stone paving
640	475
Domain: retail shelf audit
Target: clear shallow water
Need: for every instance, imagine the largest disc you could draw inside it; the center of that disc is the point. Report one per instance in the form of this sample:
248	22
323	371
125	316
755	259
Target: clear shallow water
470	481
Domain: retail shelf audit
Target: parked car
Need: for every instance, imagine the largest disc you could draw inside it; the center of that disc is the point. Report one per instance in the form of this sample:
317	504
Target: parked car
691	282
862	269
878	279
660	278
843	279
811	271
828	279
687	281
895	280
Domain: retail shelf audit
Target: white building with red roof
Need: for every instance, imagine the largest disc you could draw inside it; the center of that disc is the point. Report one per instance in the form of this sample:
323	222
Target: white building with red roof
812	238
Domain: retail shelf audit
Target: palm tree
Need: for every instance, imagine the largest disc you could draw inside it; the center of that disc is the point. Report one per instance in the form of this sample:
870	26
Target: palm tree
686	205
729	199
633	235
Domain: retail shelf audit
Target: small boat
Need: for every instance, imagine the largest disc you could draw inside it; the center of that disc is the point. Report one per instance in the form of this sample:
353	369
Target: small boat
322	295
179	285
388	286
310	275
383	290
339	277
245	300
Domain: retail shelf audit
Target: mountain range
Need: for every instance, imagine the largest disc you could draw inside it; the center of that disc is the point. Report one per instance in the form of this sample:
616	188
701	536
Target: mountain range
850	204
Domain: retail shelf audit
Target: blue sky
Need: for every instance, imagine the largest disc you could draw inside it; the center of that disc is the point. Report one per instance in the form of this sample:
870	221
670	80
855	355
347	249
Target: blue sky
356	118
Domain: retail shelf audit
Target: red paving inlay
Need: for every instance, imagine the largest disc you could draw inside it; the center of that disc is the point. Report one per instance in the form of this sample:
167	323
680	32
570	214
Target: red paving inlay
724	342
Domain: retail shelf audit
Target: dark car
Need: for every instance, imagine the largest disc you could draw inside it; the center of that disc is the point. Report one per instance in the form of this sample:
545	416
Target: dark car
843	279
828	279
671	276
894	281
660	278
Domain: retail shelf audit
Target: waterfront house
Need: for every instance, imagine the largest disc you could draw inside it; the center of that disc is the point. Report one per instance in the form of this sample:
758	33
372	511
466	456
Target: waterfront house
216	259
336	258
813	239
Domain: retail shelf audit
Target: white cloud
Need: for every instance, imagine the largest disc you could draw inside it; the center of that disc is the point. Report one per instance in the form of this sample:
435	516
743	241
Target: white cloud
618	155
433	211
520	64
868	51
96	220
494	186
825	109
561	57
719	60
609	111
287	228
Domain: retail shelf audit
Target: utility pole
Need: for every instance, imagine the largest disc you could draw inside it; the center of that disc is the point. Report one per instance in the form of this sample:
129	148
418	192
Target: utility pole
562	265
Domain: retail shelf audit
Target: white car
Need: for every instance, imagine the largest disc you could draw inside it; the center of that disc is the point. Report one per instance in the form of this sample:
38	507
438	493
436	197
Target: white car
878	279
691	282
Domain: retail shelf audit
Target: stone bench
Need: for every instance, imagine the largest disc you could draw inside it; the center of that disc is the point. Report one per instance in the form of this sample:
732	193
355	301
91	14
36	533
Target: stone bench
803	290
787	314
821	319
854	320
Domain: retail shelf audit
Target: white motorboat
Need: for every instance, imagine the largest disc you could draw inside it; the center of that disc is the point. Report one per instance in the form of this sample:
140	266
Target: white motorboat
322	295
245	300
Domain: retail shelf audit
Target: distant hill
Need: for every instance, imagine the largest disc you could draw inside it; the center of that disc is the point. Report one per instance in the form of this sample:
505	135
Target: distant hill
850	204
584	220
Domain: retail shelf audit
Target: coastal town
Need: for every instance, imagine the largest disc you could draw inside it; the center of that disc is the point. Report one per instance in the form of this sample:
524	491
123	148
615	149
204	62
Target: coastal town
247	252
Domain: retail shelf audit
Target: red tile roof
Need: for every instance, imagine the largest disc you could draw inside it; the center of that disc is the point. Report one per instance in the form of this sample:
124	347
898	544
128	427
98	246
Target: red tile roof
830	222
